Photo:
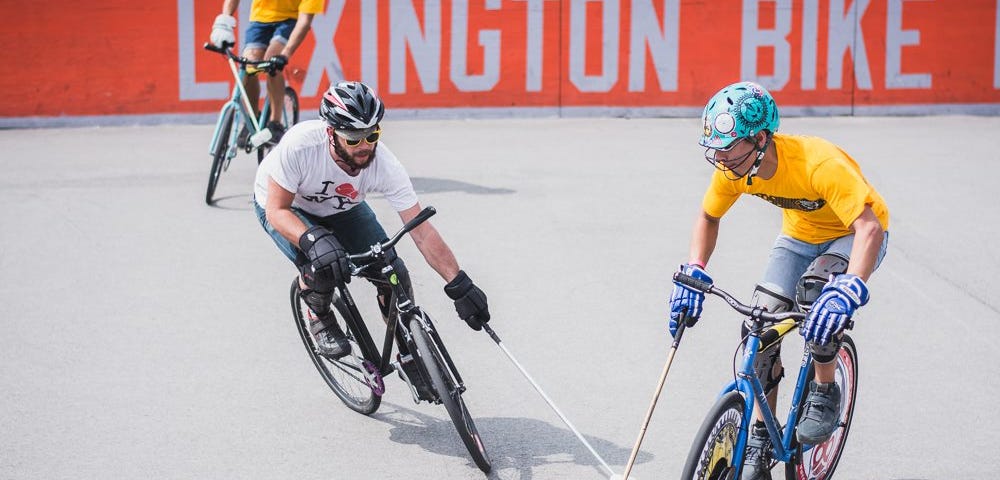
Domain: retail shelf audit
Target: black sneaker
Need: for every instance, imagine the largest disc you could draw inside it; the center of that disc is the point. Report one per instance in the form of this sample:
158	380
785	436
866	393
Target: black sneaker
243	138
757	462
330	339
277	131
820	414
412	373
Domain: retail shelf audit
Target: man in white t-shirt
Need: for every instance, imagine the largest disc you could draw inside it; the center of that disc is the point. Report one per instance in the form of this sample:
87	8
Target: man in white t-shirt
310	198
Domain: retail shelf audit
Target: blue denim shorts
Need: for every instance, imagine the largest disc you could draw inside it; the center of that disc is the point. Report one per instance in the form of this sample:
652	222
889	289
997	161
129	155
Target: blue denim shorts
790	258
260	35
356	229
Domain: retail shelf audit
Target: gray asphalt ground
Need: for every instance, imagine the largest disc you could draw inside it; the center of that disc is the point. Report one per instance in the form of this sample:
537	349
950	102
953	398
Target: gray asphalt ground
147	335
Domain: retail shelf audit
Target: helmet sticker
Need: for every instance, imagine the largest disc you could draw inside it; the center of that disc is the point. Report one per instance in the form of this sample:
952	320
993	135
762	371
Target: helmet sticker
724	123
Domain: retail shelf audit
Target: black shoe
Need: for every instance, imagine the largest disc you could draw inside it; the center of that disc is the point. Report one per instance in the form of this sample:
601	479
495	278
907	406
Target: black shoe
243	138
330	339
412	373
757	461
820	414
277	131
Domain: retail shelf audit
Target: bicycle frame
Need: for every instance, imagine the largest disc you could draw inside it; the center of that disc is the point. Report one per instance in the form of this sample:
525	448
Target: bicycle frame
242	118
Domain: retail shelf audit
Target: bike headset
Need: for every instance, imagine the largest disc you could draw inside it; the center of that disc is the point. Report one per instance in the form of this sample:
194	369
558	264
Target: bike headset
739	112
353	109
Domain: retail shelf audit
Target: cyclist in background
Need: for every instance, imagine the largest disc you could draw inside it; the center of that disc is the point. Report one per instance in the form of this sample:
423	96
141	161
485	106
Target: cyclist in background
309	196
834	228
277	28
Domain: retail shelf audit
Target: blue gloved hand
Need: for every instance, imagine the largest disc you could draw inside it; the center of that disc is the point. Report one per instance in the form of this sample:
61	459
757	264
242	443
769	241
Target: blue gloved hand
686	302
836	304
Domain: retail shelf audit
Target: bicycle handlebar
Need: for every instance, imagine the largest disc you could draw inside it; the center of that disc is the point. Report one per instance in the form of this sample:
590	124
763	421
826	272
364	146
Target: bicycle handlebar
260	65
379	248
752	312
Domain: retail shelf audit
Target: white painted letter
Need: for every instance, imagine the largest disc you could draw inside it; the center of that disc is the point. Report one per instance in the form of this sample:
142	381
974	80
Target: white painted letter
845	34
996	50
190	89
754	38
662	41
425	45
488	39
324	57
369	43
533	55
578	47
810	42
895	39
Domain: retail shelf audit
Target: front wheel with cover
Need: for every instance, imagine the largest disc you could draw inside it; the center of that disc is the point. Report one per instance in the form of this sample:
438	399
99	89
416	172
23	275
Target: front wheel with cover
448	393
289	117
713	452
820	461
352	378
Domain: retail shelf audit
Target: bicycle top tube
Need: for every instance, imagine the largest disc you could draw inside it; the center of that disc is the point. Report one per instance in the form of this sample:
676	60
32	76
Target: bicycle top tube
259	65
755	313
378	250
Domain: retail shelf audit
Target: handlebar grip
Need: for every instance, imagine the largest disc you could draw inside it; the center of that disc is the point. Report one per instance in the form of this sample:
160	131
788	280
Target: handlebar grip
692	282
424	214
211	47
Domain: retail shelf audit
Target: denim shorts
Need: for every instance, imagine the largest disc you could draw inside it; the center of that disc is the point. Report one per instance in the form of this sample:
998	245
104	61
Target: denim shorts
260	35
790	258
356	229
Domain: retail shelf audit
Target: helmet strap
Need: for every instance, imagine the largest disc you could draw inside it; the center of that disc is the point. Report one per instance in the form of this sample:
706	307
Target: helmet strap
761	152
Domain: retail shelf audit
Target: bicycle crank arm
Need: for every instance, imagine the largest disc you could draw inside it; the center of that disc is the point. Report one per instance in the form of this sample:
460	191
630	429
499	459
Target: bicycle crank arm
260	138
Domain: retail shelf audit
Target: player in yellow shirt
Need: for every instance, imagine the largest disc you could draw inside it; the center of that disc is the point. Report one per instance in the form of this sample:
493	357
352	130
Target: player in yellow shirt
277	28
835	227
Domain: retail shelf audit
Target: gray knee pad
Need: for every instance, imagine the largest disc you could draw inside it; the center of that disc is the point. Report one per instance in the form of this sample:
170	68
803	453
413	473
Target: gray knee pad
811	283
318	302
768	361
826	353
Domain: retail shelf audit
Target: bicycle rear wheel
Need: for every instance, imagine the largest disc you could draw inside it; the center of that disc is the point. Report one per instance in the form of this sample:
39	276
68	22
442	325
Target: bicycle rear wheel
820	461
713	453
289	117
352	377
449	394
219	156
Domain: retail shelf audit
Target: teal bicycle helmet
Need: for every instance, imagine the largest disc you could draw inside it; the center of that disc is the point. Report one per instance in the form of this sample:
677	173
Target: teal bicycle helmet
740	110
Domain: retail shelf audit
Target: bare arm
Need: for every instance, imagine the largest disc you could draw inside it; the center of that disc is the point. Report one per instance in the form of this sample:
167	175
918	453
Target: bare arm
703	238
279	212
298	34
229	6
868	236
431	245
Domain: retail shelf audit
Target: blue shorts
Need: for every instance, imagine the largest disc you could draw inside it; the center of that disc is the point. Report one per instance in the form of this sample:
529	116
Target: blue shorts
790	258
260	35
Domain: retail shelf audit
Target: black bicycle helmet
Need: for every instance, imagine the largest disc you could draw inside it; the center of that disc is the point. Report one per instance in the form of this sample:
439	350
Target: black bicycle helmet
351	106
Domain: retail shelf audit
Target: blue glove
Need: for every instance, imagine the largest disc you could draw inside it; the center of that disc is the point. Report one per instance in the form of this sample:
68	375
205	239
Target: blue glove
834	307
685	301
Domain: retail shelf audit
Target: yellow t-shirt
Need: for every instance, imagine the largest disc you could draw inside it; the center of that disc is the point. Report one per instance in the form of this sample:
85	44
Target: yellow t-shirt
268	11
818	186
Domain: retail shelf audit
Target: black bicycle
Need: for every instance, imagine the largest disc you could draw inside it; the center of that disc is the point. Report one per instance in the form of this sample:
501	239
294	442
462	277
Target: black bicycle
357	378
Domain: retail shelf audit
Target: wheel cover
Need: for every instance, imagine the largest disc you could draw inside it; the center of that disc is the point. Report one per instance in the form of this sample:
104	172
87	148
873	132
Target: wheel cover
820	461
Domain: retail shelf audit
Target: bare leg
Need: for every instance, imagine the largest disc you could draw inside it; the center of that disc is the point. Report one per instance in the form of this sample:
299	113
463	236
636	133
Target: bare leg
276	85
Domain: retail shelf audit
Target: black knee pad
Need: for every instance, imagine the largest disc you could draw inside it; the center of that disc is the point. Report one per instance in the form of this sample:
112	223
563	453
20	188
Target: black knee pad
768	361
811	283
318	302
826	353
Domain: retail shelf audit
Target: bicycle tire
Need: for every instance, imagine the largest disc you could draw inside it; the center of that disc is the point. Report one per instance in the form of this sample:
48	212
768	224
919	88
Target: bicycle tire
289	117
821	461
345	375
219	155
434	365
713	452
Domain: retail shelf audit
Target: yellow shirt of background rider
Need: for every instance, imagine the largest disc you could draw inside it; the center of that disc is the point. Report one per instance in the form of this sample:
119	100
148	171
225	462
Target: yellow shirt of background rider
818	186
268	11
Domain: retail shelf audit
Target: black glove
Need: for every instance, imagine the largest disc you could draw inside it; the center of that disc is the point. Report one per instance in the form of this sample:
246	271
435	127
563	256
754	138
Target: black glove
470	301
279	62
328	265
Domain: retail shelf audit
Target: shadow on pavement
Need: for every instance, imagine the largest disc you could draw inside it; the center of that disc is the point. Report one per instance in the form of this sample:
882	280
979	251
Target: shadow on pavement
443	185
519	444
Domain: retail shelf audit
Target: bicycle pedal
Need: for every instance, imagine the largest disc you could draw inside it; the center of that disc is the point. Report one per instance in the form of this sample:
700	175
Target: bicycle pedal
260	138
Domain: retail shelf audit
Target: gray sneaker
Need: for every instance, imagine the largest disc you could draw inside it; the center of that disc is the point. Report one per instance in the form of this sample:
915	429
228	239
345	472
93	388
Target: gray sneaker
330	339
820	414
757	462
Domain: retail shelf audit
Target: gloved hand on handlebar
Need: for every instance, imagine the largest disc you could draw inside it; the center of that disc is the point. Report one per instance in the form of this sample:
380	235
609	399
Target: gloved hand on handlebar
834	307
685	301
222	30
279	62
328	265
470	301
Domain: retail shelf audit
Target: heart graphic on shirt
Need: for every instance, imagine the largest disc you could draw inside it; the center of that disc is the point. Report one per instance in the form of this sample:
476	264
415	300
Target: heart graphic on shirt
347	190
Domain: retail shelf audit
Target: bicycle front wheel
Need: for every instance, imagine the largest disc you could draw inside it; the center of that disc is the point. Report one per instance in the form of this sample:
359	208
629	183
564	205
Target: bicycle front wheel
219	156
713	453
449	394
820	461
352	378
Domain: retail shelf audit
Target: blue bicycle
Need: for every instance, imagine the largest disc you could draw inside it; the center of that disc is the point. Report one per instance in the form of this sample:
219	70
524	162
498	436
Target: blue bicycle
718	449
237	128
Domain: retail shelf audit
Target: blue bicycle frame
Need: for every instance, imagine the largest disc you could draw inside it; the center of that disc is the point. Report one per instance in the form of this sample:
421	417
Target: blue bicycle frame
241	118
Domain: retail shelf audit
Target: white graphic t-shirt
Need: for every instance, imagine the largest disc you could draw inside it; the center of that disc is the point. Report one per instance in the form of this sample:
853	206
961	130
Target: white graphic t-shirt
301	164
